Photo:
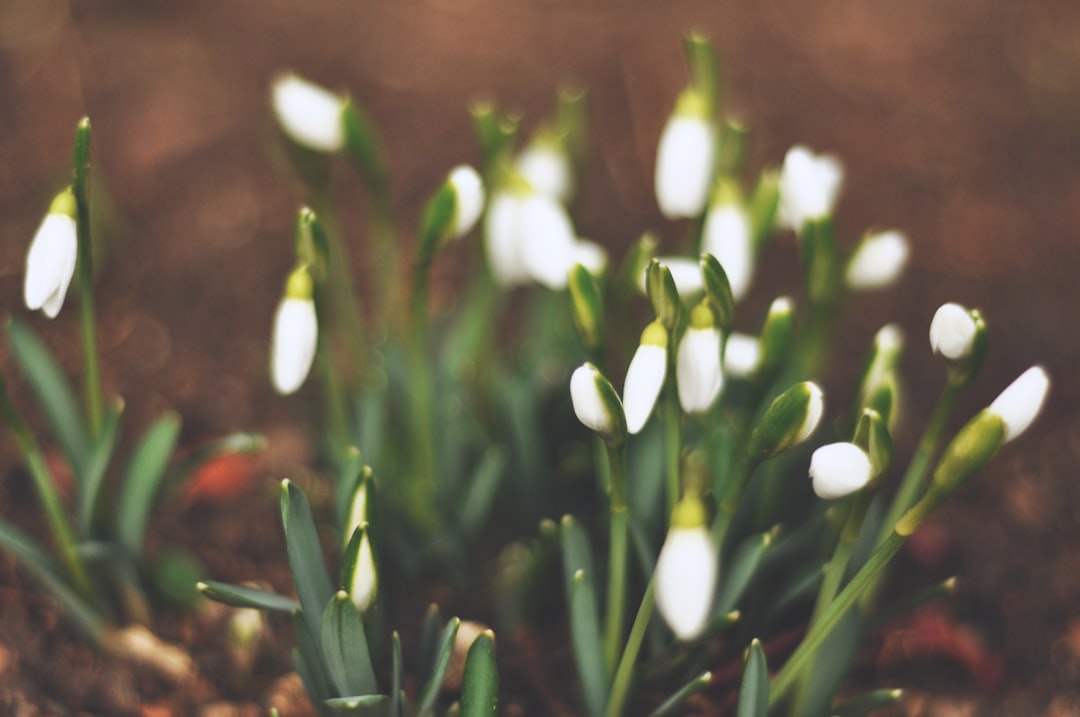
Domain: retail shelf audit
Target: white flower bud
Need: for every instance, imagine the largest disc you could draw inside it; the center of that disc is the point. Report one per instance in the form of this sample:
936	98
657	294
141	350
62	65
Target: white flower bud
697	364
547	240
296	331
645	377
685	272
742	355
815	408
590	255
1020	403
547	169
364	585
952	332
50	263
502	238
839	469
589	405
469	198
309	114
685	577
878	261
684	165
727	236
809	186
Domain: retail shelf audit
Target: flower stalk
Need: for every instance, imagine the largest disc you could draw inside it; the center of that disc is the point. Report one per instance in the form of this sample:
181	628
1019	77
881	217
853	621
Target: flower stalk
91	369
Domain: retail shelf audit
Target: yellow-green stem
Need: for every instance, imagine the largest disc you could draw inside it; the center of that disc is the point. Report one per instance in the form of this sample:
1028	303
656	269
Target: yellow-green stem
620	684
616	589
672	445
421	400
91	370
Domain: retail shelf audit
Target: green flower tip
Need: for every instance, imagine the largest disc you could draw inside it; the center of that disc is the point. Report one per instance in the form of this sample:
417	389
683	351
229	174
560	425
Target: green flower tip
701	317
64	204
655	335
692	104
689	512
299	284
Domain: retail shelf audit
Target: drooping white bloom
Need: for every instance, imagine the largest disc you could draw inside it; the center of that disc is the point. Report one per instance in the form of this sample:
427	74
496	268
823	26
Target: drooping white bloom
685	163
645	377
686	580
589	405
547	240
311	115
698	371
727	236
1020	403
742	355
295	337
469	198
809	186
502	239
590	255
878	261
547	169
839	469
952	331
50	263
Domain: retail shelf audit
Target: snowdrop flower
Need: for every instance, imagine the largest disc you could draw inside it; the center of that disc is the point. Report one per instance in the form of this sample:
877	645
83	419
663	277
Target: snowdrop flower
727	236
50	262
595	402
590	255
952	332
547	168
697	364
686	158
529	237
295	334
361	580
878	261
502	239
645	376
364	585
809	185
742	355
788	421
468	198
1020	403
685	272
309	114
686	571
839	469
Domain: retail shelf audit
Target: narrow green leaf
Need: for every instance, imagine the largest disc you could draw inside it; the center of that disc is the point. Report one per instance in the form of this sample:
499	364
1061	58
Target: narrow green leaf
397	679
363	147
345	647
831	664
446	649
867	703
143	478
96	465
52	391
306	563
240	596
754	691
480	684
310	666
481	491
360	705
429	644
588	644
684	693
741	570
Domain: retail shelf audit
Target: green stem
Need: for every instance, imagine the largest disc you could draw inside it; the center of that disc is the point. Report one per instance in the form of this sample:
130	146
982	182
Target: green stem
91	369
863	580
336	413
672	445
620	685
421	400
616	590
62	534
730	502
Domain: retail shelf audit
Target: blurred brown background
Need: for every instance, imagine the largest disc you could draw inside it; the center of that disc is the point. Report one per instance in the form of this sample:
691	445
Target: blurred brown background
958	122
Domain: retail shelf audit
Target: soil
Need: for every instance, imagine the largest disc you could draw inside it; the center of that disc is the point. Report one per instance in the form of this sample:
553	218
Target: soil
957	122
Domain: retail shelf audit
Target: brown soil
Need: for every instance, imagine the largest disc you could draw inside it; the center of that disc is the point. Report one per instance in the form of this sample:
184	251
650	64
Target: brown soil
958	122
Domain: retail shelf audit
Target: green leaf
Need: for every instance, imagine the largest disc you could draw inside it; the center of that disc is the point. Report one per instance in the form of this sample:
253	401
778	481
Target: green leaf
866	703
429	636
741	570
481	491
480	684
754	691
143	478
397	679
446	649
240	596
345	647
52	390
684	693
764	201
830	666
438	223
310	665
38	562
96	465
363	147
588	644
306	563
361	705
577	555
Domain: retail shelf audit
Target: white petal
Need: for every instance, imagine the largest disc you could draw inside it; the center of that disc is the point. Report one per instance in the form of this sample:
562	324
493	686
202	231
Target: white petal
293	350
727	237
839	469
588	405
952	331
365	581
742	354
809	186
590	255
686	273
50	264
697	369
310	114
644	379
815	407
1020	403
686	580
547	241
547	170
684	166
503	239
469	193
878	261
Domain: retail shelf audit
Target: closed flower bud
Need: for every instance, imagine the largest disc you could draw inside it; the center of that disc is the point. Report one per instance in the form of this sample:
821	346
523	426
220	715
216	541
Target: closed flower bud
547	241
502	238
468	198
839	469
789	420
697	365
742	355
952	332
727	235
311	115
547	168
685	159
877	261
50	262
809	186
1020	403
685	272
295	334
596	404
686	571
645	376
